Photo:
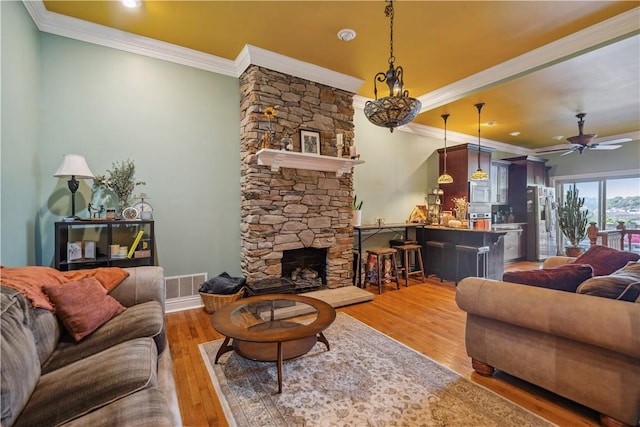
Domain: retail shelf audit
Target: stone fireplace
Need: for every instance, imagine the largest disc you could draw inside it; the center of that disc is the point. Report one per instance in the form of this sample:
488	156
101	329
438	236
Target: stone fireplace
290	209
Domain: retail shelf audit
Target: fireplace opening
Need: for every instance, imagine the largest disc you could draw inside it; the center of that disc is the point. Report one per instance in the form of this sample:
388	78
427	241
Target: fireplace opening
306	268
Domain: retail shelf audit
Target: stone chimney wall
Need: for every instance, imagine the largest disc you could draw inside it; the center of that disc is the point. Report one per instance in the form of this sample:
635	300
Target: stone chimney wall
293	208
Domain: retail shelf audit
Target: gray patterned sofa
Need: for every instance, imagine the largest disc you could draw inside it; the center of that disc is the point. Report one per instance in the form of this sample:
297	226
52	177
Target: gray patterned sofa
120	374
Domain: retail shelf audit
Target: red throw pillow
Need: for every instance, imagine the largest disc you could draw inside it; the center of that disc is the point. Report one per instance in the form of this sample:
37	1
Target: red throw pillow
605	260
566	277
82	306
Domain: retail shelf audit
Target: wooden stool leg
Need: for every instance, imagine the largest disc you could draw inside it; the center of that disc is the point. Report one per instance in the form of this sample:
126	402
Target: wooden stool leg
394	267
419	262
380	265
407	267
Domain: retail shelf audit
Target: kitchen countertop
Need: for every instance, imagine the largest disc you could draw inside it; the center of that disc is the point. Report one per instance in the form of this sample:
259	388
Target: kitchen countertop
442	227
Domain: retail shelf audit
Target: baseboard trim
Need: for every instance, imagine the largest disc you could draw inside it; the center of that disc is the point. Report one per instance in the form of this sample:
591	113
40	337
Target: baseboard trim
184	303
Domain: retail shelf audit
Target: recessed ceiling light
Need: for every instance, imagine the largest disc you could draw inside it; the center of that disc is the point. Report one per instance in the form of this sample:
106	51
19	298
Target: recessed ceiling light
346	34
491	123
514	133
557	137
131	3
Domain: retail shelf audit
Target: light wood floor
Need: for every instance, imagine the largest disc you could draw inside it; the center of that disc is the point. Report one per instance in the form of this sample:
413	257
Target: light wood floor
422	316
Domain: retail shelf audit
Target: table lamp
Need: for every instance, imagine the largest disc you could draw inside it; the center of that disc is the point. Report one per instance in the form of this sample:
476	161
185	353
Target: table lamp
73	166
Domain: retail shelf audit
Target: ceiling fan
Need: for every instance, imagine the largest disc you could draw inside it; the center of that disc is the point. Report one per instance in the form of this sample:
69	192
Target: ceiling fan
583	141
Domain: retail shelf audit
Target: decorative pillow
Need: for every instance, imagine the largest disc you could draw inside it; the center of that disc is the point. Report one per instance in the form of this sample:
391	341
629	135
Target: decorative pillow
605	260
109	277
623	284
82	306
566	277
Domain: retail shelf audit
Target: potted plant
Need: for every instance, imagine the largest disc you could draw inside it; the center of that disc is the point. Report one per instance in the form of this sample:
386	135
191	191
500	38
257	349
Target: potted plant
573	220
357	212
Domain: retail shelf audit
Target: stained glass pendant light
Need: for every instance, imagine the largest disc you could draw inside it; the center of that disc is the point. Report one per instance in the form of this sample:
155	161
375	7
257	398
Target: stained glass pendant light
398	108
445	178
479	174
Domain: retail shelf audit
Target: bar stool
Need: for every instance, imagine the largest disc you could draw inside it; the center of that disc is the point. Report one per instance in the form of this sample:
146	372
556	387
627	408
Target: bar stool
394	243
435	263
479	252
407	252
375	271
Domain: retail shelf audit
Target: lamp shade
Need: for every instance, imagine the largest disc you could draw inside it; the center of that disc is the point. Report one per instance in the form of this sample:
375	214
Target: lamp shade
74	165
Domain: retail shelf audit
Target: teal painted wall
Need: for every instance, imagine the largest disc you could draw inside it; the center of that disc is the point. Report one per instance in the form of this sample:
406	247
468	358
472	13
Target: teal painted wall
19	148
398	171
178	124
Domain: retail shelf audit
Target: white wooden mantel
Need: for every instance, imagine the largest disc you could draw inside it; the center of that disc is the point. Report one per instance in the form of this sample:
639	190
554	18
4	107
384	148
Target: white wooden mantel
291	159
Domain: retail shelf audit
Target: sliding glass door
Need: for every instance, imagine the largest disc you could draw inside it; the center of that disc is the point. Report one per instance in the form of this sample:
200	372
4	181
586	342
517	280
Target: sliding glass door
610	201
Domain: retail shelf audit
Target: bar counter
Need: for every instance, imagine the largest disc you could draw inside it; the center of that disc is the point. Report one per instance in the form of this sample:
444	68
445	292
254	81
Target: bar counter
451	236
494	239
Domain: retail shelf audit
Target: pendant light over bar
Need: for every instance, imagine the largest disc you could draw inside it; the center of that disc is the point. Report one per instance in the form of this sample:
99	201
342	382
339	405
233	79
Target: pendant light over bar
445	178
398	108
479	174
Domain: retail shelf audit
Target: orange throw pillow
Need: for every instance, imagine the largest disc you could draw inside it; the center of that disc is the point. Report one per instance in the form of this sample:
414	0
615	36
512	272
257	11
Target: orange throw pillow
109	277
82	306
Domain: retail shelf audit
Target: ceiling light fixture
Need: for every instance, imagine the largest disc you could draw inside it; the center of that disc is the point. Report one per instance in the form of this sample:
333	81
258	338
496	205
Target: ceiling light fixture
346	34
516	133
445	178
131	3
398	108
479	174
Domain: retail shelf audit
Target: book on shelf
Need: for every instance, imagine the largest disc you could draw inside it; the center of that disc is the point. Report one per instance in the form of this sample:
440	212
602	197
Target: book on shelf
133	247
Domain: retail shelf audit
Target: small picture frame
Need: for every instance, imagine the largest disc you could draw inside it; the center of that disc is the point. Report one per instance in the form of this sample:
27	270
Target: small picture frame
309	141
74	251
89	247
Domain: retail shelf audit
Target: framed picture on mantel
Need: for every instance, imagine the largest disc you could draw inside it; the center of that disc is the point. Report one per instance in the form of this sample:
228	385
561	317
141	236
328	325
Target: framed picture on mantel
310	141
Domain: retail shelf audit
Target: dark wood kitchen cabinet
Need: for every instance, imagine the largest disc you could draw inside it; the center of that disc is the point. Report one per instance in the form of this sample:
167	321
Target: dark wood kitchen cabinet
462	161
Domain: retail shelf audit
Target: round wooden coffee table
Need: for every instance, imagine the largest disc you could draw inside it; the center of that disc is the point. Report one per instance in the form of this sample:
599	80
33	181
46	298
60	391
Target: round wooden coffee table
273	328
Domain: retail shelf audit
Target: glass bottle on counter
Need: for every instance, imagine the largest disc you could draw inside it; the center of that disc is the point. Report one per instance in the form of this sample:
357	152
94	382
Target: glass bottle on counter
510	217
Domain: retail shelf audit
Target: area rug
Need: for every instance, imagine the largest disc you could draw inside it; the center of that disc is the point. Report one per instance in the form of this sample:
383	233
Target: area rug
366	379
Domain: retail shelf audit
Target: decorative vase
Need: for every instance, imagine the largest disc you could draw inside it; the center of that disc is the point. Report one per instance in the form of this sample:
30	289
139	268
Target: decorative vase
573	251
356	219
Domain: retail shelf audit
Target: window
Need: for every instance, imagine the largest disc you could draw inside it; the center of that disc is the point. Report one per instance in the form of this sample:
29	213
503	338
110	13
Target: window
610	201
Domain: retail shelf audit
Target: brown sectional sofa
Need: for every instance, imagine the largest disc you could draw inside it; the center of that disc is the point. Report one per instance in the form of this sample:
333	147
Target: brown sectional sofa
119	375
582	347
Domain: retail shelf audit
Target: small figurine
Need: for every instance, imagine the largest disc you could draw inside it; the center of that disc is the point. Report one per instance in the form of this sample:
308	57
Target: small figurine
95	213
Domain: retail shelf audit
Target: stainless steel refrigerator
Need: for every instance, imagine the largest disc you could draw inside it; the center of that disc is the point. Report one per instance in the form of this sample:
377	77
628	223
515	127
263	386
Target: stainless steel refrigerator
541	223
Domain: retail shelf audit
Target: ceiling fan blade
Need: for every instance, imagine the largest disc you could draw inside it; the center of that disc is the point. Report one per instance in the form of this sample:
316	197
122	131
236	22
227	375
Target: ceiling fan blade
614	141
573	150
604	147
554	150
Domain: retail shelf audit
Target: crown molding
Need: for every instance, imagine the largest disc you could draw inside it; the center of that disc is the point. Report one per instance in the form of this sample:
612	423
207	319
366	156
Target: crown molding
89	32
66	26
252	55
606	32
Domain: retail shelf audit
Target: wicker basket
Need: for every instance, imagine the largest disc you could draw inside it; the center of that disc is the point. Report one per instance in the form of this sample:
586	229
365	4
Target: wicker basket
212	302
